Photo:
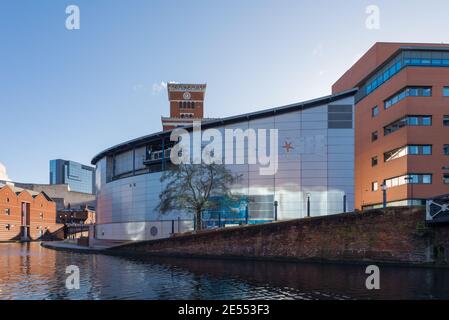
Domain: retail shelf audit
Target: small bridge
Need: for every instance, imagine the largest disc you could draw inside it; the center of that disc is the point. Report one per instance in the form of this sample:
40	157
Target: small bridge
73	230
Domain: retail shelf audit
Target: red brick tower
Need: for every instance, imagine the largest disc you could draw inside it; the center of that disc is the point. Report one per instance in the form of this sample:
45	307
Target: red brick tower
186	104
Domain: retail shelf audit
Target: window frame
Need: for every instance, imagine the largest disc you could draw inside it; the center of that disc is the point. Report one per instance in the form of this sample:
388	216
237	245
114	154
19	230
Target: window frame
446	121
374	111
445	178
445	91
446	149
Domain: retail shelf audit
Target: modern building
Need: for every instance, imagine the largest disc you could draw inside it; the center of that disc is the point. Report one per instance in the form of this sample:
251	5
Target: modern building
186	104
26	214
79	177
401	123
315	172
383	135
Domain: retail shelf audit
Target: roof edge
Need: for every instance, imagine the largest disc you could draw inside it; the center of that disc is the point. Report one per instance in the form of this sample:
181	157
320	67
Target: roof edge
223	121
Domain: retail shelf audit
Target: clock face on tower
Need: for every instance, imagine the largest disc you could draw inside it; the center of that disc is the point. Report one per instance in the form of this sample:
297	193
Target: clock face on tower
186	95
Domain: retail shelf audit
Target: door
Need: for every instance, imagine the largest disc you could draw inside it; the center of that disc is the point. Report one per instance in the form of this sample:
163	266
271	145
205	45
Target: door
25	219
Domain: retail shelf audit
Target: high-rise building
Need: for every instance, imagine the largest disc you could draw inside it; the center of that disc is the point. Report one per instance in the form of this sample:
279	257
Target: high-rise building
79	177
401	123
186	104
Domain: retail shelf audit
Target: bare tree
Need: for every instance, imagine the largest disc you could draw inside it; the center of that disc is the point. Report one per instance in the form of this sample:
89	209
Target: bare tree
189	187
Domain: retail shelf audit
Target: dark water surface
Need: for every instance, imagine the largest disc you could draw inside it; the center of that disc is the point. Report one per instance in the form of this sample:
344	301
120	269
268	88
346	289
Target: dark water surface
28	271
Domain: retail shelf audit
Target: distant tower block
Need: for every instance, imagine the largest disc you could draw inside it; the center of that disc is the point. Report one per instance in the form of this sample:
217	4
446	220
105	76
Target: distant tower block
186	104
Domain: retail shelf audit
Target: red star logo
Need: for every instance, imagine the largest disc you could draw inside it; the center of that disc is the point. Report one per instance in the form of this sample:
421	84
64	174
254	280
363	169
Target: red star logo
287	146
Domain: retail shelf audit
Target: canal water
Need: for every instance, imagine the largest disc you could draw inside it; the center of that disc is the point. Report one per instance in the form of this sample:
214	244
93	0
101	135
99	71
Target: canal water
29	271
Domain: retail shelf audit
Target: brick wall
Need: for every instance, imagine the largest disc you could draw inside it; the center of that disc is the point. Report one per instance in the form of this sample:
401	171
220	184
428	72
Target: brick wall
42	218
393	236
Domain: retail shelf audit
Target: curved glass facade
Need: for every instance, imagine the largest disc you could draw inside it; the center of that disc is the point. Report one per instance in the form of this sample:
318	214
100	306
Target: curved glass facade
315	166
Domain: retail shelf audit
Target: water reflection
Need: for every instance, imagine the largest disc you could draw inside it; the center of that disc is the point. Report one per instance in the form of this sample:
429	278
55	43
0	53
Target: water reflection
28	271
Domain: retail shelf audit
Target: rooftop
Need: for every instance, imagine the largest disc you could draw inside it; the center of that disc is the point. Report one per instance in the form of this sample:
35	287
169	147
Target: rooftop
18	190
186	87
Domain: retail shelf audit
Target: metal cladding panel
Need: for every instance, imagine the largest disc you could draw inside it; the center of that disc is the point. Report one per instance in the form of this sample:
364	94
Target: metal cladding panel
314	163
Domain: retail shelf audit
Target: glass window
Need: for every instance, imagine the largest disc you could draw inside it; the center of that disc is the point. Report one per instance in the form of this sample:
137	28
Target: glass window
446	121
427	92
446	178
8	212
404	59
375	111
394	182
446	91
395	154
446	149
374	161
413	92
368	89
403	180
426	150
394	100
413	121
413	178
427	121
374	186
374	136
413	150
409	91
427	179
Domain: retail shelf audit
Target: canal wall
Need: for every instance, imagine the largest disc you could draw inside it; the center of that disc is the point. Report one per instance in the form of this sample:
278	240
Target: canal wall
393	235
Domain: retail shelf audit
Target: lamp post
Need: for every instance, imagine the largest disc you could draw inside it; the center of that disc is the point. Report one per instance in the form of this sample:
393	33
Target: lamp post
275	211
409	180
308	205
384	195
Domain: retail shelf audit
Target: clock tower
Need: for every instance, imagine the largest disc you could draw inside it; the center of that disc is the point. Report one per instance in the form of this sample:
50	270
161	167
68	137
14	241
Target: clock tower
186	104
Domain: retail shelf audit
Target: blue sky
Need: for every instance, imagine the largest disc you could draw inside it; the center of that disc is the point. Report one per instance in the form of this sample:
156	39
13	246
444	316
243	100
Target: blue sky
71	94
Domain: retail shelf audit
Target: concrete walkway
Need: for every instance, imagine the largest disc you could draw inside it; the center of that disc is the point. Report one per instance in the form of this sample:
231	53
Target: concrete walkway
97	247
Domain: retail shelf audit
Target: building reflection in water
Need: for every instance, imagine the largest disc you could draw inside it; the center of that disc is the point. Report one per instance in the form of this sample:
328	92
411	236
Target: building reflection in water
28	271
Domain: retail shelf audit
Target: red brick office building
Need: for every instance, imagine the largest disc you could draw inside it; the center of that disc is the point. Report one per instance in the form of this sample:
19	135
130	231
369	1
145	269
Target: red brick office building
401	123
26	215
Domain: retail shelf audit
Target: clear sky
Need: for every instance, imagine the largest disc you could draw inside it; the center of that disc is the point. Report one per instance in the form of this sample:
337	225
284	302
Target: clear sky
71	94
